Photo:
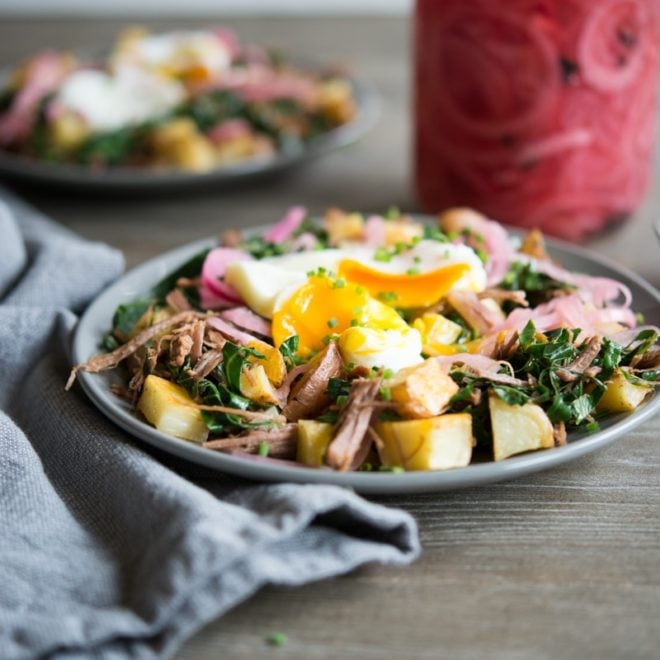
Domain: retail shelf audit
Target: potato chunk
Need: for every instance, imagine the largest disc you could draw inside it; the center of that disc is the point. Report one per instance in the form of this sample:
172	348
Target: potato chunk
436	443
272	362
68	131
438	333
402	230
517	429
313	440
255	385
335	99
342	227
179	143
622	395
421	390
163	403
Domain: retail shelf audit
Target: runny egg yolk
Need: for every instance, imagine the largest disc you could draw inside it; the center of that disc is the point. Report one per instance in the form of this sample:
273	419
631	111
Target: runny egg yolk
404	290
323	307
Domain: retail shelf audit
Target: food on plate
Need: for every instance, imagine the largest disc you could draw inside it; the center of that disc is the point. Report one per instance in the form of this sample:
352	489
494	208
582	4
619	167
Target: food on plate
433	443
167	406
518	428
187	100
380	343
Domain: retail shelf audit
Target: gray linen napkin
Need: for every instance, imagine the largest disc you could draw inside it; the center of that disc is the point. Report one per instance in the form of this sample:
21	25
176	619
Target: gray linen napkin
106	552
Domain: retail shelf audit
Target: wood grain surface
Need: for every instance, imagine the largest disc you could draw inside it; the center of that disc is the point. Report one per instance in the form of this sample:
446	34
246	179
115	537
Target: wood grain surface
563	564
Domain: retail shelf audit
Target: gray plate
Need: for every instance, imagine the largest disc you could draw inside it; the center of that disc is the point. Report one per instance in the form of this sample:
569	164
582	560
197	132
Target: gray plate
97	320
136	180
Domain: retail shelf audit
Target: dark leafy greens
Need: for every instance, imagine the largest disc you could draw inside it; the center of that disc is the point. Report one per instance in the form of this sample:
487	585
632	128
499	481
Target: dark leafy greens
539	360
537	286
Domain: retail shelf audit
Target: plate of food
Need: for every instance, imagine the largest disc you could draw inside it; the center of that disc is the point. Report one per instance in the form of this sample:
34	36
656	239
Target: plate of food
388	353
174	109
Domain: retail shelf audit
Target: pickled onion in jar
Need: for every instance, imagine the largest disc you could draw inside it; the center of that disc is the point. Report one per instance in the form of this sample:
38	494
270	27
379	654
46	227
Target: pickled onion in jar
536	112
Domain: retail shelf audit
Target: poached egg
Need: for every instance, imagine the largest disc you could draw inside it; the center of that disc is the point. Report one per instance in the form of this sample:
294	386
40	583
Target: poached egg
108	102
350	295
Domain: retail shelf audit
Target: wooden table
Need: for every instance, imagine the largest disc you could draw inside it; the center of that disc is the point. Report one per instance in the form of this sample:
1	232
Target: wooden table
562	564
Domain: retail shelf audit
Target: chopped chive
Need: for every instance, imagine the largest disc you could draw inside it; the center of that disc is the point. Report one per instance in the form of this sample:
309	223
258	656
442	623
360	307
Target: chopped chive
332	322
339	284
385	393
413	271
417	259
382	254
326	340
387	373
354	323
277	639
263	449
392	213
388	296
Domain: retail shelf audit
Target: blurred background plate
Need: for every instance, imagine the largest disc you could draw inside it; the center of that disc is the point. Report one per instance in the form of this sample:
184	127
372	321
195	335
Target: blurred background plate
137	180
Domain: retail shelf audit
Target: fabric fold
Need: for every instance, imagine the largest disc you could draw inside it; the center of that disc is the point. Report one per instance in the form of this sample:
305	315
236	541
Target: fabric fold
106	551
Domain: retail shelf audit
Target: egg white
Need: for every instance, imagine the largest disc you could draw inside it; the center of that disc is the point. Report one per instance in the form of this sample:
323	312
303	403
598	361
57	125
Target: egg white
262	282
172	49
375	347
109	102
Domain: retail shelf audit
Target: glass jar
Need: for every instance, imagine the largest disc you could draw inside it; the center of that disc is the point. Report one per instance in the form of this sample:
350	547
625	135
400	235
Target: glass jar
539	113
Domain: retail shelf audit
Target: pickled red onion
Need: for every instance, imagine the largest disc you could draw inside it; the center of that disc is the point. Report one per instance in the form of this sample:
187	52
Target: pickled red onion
230	129
285	228
568	311
213	270
43	74
540	114
374	231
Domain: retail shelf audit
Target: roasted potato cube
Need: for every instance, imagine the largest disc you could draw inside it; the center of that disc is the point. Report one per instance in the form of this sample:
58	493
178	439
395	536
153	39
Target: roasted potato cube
256	386
402	230
173	131
272	362
68	131
195	155
149	318
622	395
459	218
492	306
335	100
242	147
421	390
343	226
179	143
436	443
517	429
165	405
438	333
313	440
